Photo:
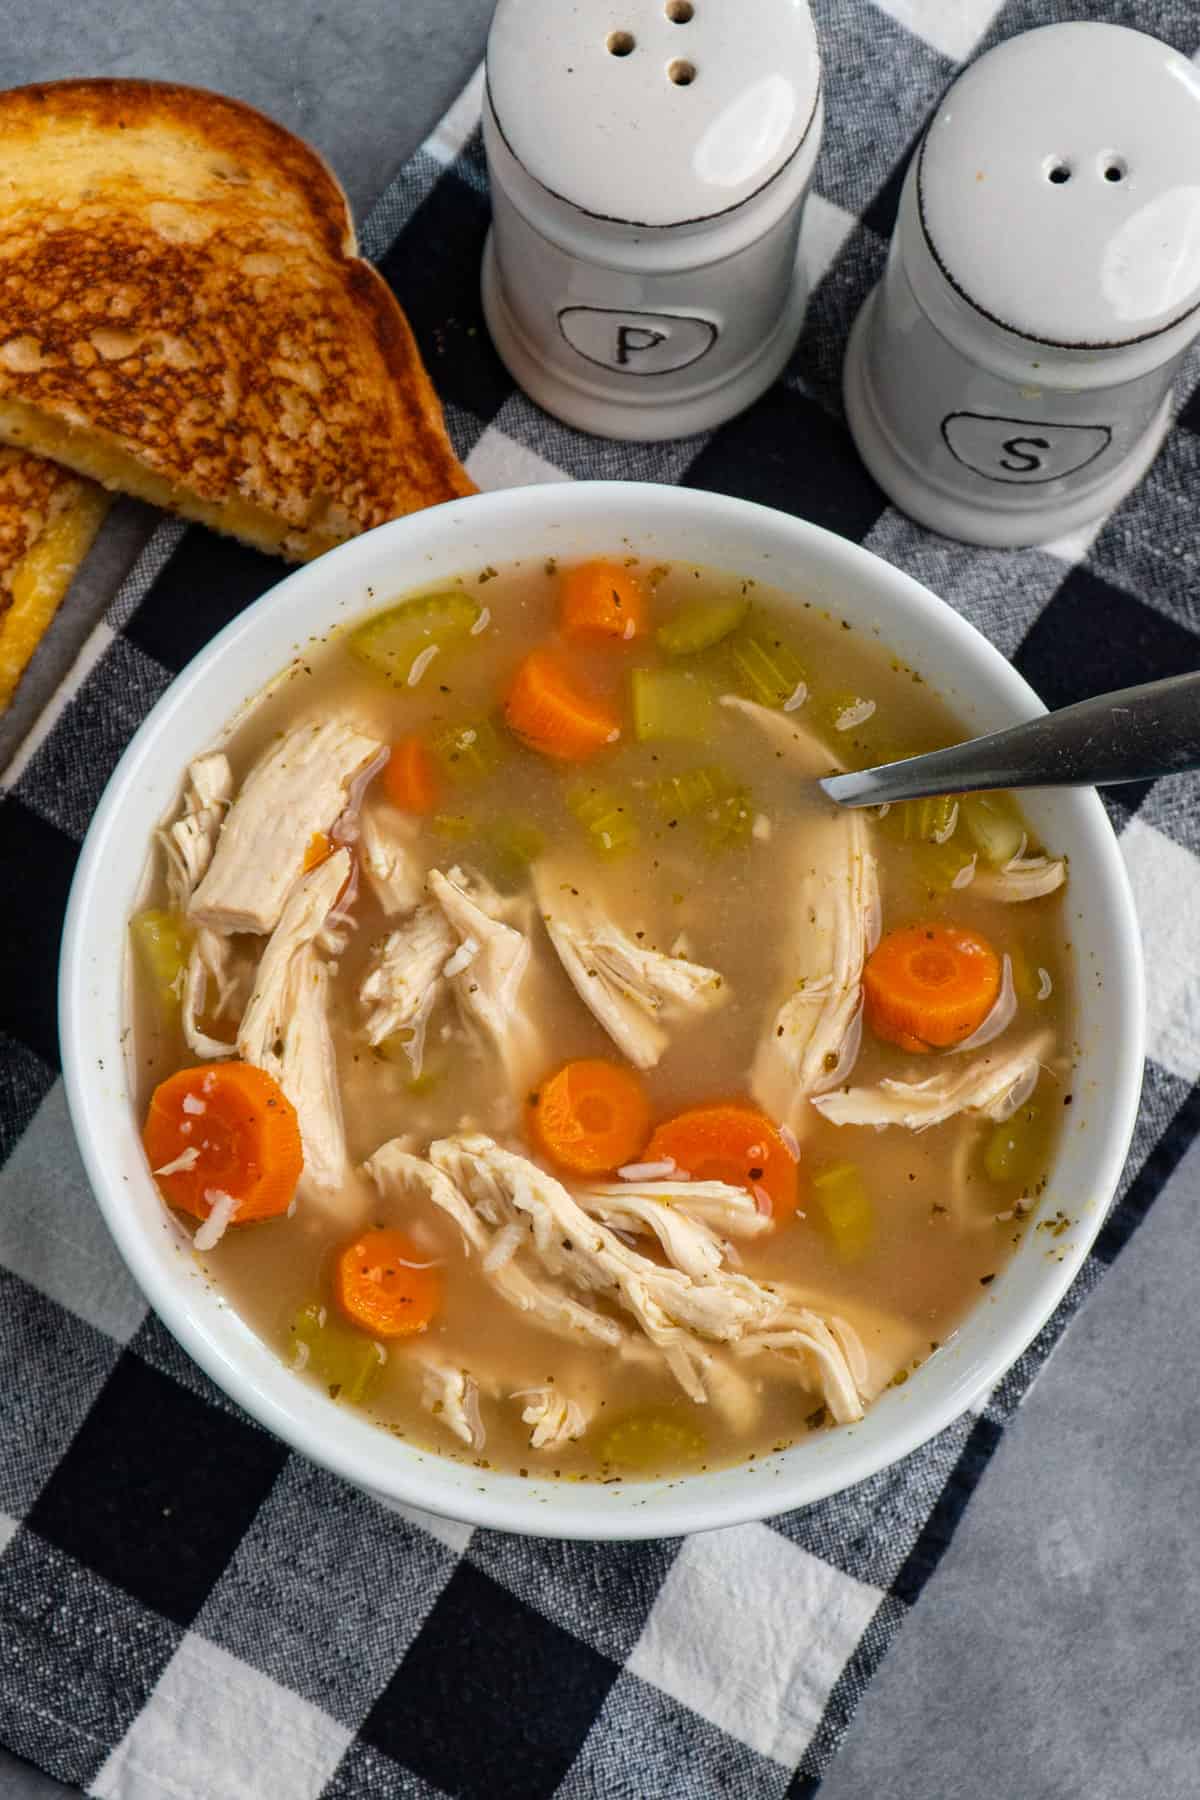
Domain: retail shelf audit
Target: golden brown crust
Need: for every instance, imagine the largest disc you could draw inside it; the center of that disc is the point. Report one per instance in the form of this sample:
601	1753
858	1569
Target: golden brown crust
176	286
48	518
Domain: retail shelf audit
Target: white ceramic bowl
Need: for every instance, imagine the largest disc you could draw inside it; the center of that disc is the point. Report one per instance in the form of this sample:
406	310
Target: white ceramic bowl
529	524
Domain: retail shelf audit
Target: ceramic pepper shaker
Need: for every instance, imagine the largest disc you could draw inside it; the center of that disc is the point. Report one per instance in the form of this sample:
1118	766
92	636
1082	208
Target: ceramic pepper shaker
649	161
1009	379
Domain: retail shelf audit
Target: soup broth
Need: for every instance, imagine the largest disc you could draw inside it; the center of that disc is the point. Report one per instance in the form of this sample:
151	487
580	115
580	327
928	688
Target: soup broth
696	833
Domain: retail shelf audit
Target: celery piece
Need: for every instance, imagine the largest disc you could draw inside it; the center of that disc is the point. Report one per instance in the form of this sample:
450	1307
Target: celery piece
453	825
650	1442
607	819
517	843
346	1360
163	942
679	796
845	1206
672	703
700	625
939	865
923	821
995	825
470	752
766	669
1014	1150
391	642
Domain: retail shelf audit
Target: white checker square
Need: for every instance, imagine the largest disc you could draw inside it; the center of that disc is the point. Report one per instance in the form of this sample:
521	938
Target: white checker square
752	1632
498	461
825	229
448	138
51	1231
1166	889
8	1531
952	26
214	1725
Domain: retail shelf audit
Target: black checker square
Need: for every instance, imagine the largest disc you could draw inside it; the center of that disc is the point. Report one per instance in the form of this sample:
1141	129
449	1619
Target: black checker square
157	1490
493	1700
38	861
1189	412
433	270
1094	636
78	1659
786	451
52	1367
366	1773
25	1080
601	1592
171	625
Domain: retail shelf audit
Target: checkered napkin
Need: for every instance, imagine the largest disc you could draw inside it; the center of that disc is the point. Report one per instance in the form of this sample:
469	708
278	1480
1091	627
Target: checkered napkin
188	1610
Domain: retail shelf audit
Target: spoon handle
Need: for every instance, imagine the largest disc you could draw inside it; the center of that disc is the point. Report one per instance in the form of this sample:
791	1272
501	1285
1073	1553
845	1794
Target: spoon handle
1136	734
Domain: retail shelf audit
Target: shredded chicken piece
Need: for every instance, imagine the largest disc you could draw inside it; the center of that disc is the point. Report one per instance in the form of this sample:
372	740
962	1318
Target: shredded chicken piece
404	975
298	788
488	988
713	1206
1023	878
396	1172
995	1083
830	1354
630	990
555	1419
452	1396
672	1307
285	1028
189	843
308	1075
811	1043
386	853
799	745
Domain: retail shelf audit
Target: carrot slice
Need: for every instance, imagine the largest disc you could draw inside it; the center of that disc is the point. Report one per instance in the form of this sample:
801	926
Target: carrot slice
930	985
385	1284
601	600
590	1116
245	1135
320	846
550	712
734	1143
410	778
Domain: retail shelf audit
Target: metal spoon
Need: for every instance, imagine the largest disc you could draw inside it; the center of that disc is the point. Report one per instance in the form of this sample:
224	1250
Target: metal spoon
1136	734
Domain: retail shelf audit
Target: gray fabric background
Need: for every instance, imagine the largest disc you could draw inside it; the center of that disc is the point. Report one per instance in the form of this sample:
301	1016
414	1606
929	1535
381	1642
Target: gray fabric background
1052	1655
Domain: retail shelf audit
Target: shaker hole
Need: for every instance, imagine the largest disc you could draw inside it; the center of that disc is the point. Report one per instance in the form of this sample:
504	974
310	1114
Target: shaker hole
682	73
1058	172
680	12
620	43
1115	169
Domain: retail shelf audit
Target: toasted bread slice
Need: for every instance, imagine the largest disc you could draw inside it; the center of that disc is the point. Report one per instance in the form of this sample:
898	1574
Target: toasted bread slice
184	318
48	518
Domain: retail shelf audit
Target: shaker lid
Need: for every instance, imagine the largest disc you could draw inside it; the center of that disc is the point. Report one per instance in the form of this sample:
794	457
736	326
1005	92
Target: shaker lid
653	112
1059	185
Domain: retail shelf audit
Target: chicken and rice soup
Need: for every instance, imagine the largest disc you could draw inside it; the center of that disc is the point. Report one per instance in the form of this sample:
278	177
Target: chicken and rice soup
541	1065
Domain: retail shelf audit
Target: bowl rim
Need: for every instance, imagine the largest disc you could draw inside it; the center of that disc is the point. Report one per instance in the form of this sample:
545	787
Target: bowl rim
495	1499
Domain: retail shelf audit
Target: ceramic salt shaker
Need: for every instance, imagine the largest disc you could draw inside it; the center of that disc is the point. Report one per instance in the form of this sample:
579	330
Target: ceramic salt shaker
1009	379
649	161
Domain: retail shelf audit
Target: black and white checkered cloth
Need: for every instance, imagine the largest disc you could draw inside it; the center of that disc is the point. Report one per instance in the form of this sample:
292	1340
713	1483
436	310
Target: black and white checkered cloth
188	1610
